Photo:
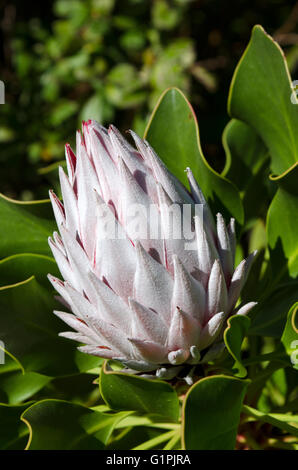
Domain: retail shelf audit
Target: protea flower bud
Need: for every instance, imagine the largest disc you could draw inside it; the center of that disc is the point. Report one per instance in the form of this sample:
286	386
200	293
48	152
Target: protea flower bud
140	297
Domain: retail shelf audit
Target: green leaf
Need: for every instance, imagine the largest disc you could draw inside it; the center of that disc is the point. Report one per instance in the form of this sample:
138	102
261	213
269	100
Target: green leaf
260	95
29	330
245	152
17	385
282	227
133	420
13	433
164	17
233	336
127	392
132	437
283	239
247	165
263	375
174	134
211	412
61	425
269	316
285	422
290	335
22	230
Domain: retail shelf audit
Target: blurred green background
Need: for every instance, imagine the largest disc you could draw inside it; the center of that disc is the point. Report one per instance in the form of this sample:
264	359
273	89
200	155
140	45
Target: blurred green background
64	61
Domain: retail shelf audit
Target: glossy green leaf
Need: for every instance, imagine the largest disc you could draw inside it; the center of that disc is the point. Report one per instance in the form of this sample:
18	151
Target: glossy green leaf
260	95
13	433
174	134
290	335
127	392
24	227
211	413
61	425
233	336
93	109
245	152
18	267
29	330
282	227
16	385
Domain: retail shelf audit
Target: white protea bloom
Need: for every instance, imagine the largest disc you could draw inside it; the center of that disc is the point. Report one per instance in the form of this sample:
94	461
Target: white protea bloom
147	301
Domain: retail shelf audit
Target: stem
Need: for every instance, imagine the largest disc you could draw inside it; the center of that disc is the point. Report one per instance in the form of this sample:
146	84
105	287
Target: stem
155	441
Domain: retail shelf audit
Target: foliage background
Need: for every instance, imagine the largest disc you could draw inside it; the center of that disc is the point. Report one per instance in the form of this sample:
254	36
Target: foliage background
66	60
